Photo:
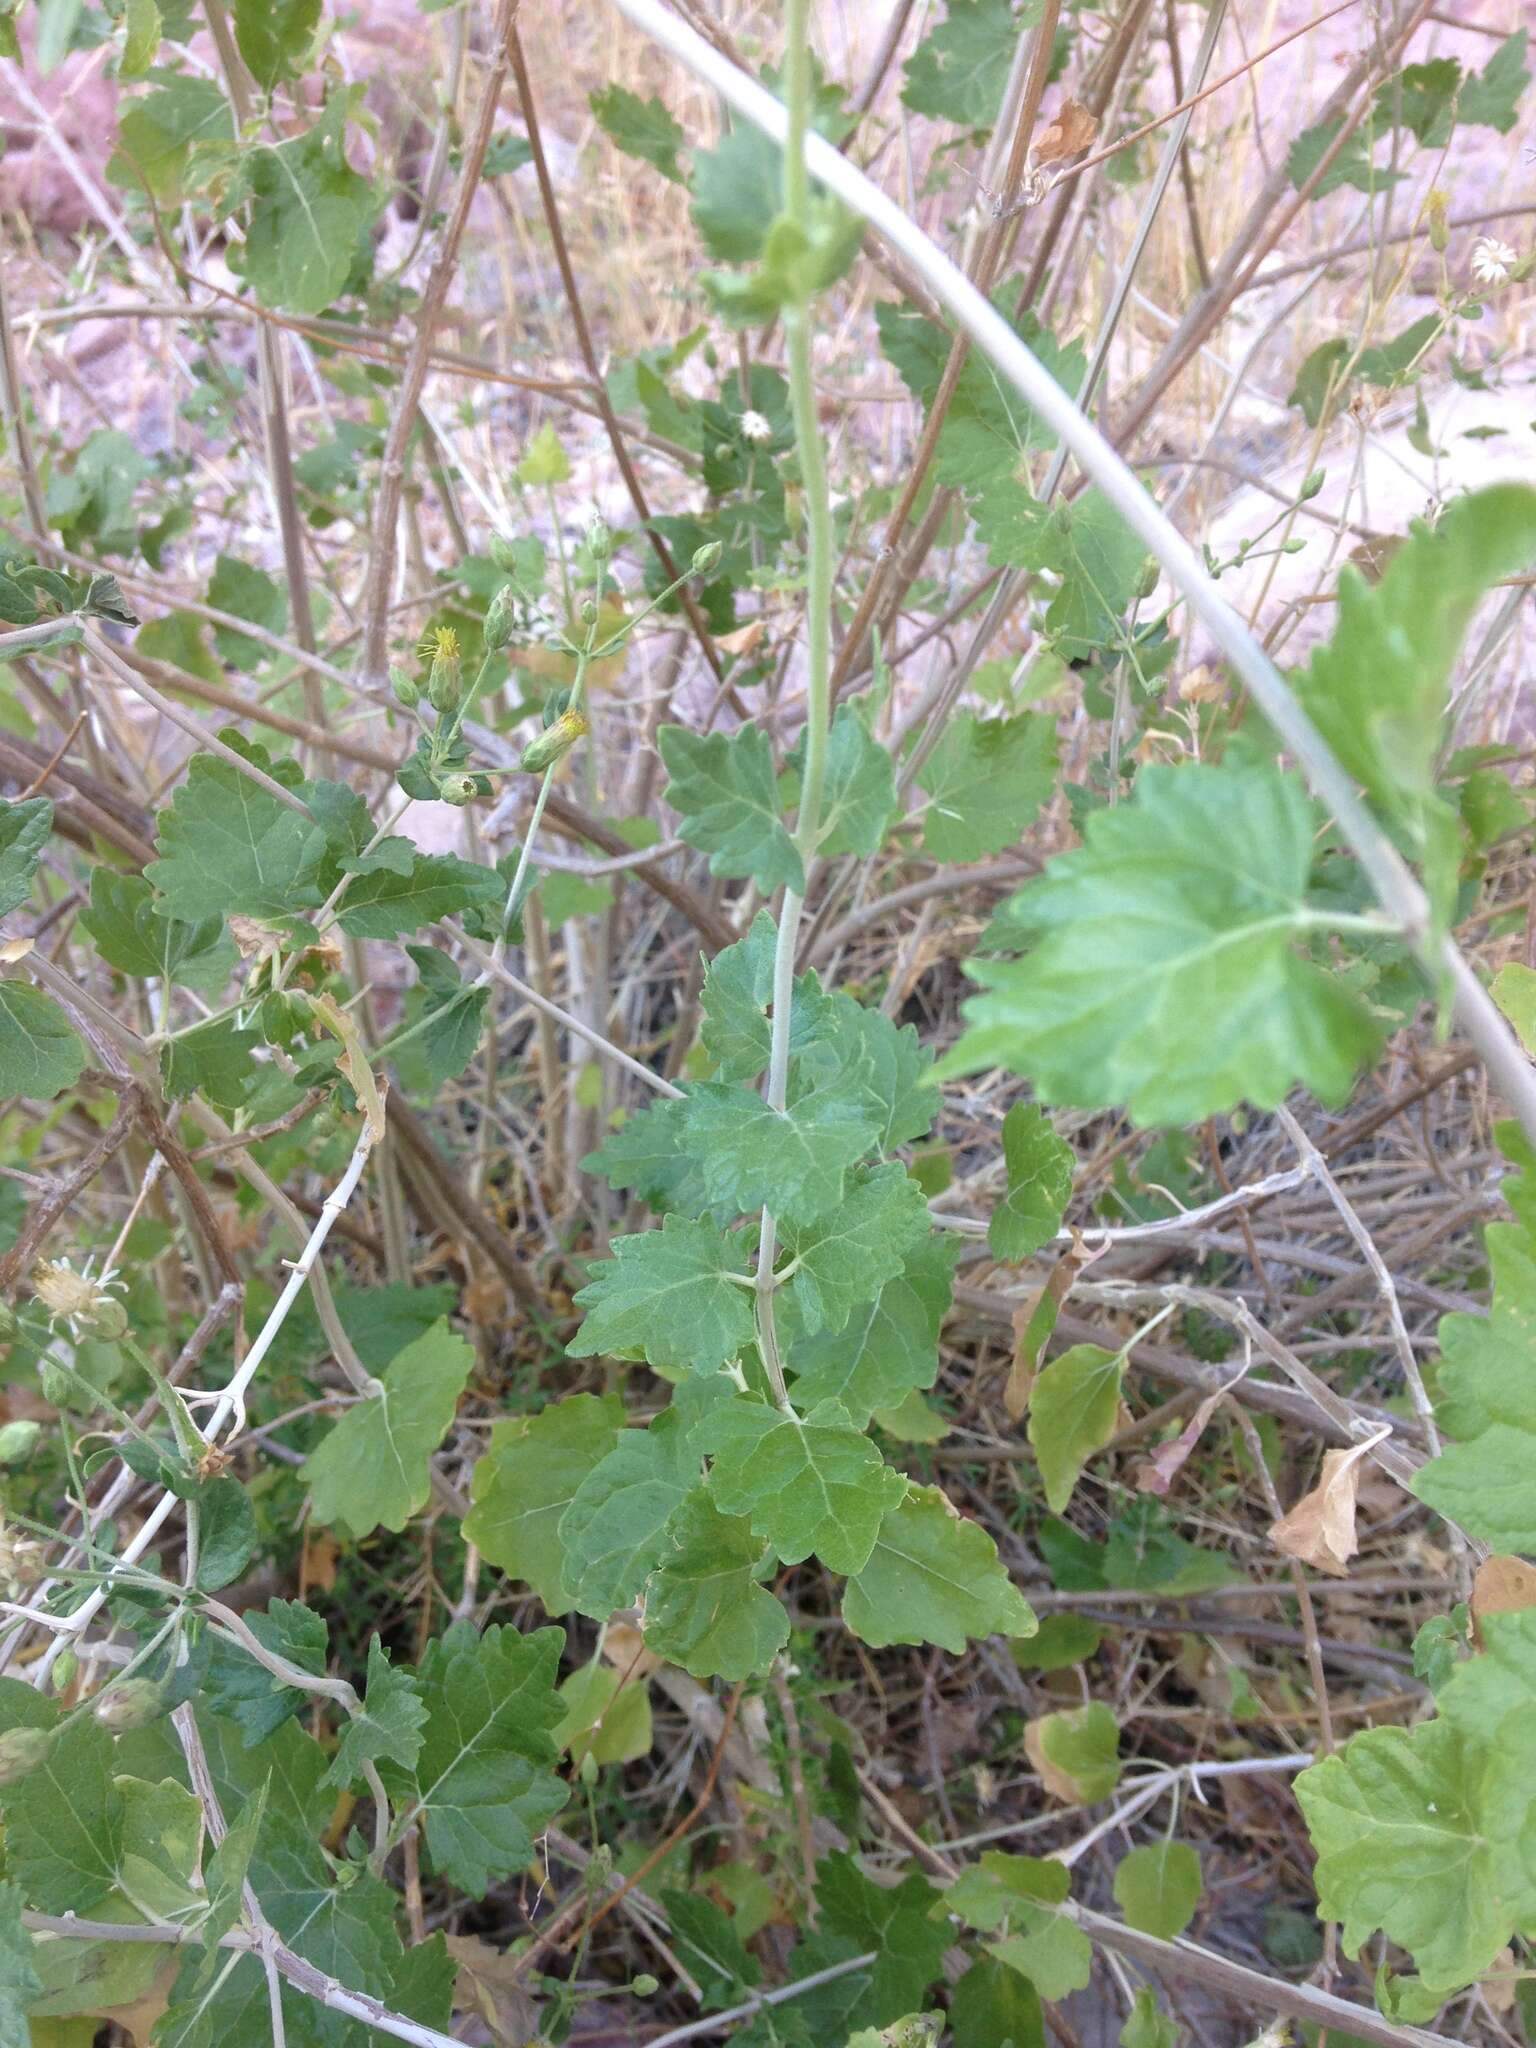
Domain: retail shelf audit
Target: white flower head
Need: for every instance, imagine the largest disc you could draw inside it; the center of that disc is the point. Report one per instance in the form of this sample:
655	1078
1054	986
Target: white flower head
754	427
81	1301
1493	260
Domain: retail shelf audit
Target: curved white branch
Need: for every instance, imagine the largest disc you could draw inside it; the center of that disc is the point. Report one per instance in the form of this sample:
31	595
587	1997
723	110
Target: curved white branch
1396	889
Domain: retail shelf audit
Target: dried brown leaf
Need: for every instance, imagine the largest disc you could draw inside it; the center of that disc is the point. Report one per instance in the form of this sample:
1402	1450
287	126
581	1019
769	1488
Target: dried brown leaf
1502	1586
1320	1529
1157	1473
1070	132
487	1984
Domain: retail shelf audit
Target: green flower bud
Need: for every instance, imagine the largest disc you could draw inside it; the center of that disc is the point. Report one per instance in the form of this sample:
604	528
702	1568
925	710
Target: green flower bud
707	557
17	1440
645	1985
66	1667
1312	483
589	611
407	690
599	540
456	789
22	1750
588	1772
553	744
498	620
133	1704
108	1320
444	683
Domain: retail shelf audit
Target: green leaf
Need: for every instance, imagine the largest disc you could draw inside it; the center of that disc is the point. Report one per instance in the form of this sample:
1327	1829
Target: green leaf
896	1921
142	38
859	793
250	593
24	829
890	1346
485	1778
1084	1743
162	1839
792	1161
1395	1819
1491	1700
711	1948
958	71
1513	988
1483	1482
247	1692
1322	380
1422	99
228	1868
544	461
226	1533
40	1054
1490	98
344	1928
858	1053
447	1015
133	937
274	37
372	1470
1015	1897
988	428
1182	905
388	1730
641	128
1040	1167
1100	559
94	499
214	1060
1379	691
1072	1413
670	1295
508	152
19	1981
64	1819
651	1153
1158	1887
704	1608
987	778
738	988
604	1718
993	2003
612	1529
158	135
228	845
815	1485
1150	2027
844	1258
1352	166
384	902
309	210
736	188
1389	363
933	1577
726	795
525	1481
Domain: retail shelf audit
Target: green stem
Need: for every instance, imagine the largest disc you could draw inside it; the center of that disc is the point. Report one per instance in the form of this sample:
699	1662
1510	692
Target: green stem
811	456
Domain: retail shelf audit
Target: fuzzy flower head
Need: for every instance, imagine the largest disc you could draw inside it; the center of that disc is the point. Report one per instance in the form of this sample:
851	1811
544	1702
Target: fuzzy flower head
754	427
83	1302
1493	260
